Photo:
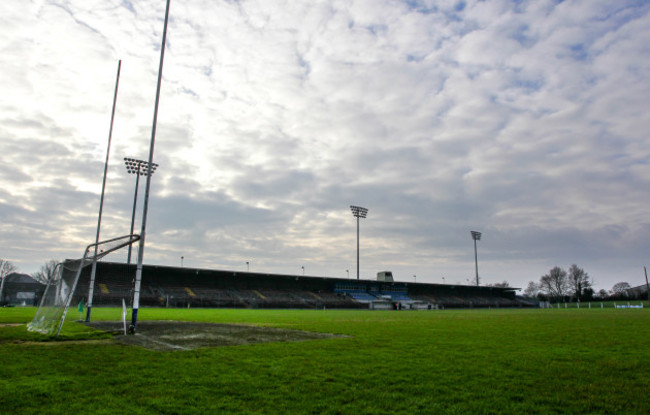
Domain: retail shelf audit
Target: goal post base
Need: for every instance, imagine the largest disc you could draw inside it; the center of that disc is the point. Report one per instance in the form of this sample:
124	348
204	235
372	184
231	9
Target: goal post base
134	320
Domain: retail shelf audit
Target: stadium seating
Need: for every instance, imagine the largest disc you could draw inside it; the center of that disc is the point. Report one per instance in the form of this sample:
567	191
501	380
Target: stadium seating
182	287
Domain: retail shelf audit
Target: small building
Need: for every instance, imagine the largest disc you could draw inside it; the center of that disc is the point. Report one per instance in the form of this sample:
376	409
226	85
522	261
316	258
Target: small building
21	290
385	276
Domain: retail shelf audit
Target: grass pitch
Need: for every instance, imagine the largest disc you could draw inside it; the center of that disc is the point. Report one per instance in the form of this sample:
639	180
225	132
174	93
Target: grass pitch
438	362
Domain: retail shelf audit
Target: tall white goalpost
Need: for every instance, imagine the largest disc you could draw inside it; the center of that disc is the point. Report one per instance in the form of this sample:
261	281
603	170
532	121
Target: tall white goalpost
101	200
138	272
60	289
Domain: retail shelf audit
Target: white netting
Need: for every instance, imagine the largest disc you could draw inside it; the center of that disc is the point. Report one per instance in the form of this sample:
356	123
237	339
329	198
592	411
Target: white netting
50	308
61	288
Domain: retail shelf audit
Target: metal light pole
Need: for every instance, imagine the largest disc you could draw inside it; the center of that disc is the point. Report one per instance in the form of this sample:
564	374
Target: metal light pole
647	286
358	212
182	258
476	236
248	268
139	168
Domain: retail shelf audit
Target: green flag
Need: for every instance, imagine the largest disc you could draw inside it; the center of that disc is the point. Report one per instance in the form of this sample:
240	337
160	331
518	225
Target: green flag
81	307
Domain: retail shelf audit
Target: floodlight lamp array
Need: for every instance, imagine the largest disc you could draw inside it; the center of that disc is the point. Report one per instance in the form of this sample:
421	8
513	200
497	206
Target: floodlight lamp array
476	235
358	211
135	166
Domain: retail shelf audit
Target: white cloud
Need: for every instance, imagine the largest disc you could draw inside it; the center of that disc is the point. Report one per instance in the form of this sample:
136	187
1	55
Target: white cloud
526	120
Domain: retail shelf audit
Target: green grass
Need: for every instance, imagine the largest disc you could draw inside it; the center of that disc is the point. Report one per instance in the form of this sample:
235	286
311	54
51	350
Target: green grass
439	362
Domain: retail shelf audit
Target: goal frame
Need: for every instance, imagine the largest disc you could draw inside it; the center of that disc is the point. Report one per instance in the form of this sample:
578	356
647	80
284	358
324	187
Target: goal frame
88	258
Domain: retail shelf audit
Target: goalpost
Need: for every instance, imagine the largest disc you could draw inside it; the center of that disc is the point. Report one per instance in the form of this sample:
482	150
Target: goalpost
59	291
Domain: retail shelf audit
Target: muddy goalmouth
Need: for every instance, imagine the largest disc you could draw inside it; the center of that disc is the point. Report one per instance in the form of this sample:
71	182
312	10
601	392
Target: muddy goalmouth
184	335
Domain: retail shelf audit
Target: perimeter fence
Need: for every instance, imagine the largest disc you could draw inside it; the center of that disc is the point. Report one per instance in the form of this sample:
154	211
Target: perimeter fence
599	304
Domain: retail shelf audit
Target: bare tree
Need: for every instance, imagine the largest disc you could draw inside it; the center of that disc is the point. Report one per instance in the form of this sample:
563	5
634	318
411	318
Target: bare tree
620	289
579	281
532	290
47	272
6	268
602	294
555	284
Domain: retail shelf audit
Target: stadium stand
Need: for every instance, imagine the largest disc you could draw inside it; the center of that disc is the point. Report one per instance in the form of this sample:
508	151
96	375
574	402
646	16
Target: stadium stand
164	286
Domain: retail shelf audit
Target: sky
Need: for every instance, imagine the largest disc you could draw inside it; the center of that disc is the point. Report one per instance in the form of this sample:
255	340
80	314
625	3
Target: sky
525	120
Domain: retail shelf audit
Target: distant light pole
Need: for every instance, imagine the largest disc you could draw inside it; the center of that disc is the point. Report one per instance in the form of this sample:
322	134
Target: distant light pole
248	268
139	168
414	280
647	286
476	236
443	280
182	258
348	271
303	270
358	212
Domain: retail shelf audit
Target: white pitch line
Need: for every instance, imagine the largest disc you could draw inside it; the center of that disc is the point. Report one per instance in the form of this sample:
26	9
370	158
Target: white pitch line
173	346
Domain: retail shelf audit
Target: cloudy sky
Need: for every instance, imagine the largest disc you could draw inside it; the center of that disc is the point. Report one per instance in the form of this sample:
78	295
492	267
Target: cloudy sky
525	120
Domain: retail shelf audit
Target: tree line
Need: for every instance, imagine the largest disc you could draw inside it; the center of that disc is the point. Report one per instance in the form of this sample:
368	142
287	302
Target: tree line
572	285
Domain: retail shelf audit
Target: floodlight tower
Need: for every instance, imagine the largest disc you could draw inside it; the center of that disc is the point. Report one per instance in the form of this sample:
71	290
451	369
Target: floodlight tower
139	168
476	236
358	212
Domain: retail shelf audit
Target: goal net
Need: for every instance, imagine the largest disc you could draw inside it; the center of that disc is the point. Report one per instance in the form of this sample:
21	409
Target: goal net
61	287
